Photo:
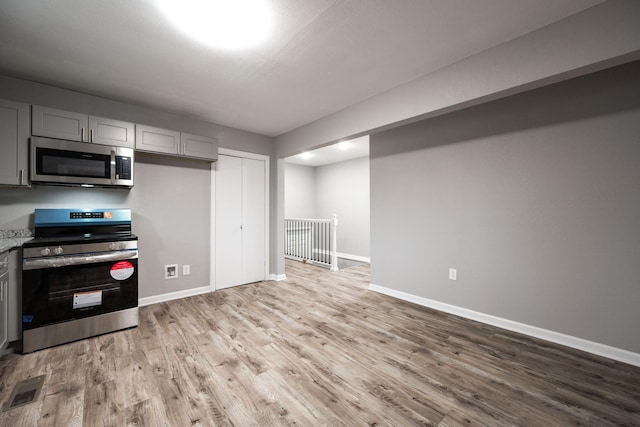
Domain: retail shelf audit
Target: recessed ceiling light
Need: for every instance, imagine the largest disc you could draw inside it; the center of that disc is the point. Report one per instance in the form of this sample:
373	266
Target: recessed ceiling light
225	24
343	145
306	155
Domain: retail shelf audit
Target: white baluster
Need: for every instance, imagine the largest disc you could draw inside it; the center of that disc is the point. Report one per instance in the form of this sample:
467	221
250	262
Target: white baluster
334	244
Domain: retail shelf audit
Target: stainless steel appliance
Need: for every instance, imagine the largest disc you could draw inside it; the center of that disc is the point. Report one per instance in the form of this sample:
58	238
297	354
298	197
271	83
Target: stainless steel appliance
80	276
59	162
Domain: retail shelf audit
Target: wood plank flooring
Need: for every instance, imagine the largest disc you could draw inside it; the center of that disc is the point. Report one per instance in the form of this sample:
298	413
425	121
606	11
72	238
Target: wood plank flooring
318	349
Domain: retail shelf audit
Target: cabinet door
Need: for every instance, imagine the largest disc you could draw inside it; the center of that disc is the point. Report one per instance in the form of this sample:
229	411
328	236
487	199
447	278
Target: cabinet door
4	303
157	140
59	124
199	147
14	142
111	132
4	331
15	295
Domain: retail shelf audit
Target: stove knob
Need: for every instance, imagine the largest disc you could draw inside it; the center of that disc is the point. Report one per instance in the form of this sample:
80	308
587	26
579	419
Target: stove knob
58	250
45	251
123	245
113	246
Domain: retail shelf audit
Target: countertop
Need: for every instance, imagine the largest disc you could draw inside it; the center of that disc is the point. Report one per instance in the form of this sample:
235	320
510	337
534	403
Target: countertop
10	239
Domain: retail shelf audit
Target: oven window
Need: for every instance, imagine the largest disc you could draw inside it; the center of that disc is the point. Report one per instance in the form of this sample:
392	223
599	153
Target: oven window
70	163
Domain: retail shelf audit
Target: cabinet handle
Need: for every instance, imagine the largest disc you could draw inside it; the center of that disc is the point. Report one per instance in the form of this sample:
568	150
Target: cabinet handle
21	176
91	134
82	134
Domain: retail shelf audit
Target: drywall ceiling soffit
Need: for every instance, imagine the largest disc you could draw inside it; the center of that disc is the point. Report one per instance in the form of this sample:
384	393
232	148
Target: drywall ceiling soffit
335	153
323	56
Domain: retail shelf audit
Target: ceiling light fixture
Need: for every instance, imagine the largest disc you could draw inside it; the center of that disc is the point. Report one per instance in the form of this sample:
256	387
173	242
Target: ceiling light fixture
224	24
343	145
305	155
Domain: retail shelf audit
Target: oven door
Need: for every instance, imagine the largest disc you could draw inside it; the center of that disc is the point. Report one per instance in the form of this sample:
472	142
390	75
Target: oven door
58	294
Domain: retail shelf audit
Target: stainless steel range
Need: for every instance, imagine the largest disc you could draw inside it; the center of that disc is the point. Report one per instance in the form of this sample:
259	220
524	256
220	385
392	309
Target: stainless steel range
80	276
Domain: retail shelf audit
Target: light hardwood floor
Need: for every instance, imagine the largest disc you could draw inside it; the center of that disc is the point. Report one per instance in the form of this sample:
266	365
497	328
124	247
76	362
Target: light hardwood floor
317	349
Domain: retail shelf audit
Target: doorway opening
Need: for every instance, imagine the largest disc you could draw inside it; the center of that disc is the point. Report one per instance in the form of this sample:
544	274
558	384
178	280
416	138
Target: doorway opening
332	180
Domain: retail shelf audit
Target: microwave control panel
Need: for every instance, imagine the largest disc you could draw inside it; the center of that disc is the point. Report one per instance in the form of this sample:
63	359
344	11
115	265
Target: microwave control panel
123	167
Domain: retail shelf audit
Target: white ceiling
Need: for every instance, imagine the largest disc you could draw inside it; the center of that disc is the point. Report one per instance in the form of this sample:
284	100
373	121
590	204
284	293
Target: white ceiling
335	153
323	56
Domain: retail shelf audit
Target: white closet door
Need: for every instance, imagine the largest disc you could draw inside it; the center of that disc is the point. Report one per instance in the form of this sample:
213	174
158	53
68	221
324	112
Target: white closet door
253	214
228	256
240	221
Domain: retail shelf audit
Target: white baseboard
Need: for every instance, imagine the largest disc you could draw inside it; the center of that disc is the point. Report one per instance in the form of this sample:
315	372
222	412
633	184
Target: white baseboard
354	257
173	295
344	256
278	277
555	337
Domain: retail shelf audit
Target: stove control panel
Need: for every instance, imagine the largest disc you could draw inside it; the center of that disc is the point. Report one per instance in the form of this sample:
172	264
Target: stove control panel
45	219
47	251
89	248
92	215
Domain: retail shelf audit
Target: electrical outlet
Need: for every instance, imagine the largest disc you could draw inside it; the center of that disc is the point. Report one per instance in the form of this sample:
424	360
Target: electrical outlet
453	274
186	270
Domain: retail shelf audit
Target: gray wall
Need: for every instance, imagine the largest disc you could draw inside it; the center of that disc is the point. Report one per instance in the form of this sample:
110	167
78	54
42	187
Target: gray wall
534	199
171	197
343	188
299	191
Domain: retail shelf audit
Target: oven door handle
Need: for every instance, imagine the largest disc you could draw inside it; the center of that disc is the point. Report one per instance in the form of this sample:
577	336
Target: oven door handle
64	261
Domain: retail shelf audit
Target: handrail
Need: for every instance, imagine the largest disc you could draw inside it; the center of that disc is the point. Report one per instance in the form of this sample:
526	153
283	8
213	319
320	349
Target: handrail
313	240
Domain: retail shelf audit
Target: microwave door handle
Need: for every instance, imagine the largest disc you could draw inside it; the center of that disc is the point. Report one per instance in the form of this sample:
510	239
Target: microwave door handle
113	166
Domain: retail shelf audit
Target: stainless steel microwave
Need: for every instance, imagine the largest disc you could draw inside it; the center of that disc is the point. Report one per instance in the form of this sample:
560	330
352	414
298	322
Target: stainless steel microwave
60	162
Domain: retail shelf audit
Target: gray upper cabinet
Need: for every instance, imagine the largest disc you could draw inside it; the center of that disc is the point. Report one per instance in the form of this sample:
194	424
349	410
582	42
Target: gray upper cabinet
14	143
157	140
59	124
165	141
54	123
111	132
199	147
4	300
